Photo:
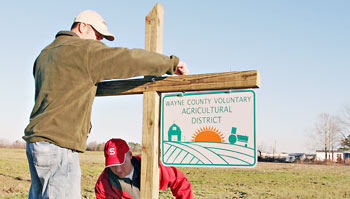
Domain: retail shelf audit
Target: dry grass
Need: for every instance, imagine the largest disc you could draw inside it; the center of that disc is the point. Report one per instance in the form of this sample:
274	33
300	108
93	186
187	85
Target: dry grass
267	180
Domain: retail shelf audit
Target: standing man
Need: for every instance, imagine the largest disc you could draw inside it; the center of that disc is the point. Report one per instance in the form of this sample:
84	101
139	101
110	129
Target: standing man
66	74
121	177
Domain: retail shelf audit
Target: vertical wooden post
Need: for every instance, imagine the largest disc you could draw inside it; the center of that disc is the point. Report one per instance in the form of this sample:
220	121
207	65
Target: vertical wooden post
150	145
151	108
154	29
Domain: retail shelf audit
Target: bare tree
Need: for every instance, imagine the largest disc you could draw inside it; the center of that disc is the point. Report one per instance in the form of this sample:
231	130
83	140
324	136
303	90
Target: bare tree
101	146
18	144
92	146
327	133
345	143
345	119
262	147
135	147
4	143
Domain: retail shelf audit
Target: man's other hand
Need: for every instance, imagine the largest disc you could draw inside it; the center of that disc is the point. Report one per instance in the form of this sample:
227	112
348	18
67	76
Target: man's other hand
182	69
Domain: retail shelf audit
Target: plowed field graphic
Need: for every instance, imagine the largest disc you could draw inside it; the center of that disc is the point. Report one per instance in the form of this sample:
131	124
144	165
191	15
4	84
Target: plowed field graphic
218	154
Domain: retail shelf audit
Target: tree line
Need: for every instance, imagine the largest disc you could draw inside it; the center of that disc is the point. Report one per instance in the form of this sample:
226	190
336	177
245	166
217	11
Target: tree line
91	146
13	145
94	146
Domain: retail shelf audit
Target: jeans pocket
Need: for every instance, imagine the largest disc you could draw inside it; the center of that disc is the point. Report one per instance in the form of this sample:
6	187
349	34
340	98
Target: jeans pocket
44	154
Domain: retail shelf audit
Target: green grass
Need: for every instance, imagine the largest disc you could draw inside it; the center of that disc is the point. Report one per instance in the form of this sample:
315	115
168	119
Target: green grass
267	180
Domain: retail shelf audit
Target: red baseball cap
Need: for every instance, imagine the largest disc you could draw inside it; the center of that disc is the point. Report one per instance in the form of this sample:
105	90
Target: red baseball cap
115	151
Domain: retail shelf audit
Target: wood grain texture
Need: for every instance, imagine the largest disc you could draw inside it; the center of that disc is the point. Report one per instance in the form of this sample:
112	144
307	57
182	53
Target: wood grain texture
211	81
154	29
150	145
151	108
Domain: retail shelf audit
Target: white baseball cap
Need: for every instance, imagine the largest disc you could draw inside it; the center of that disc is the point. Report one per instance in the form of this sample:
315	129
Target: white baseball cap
92	18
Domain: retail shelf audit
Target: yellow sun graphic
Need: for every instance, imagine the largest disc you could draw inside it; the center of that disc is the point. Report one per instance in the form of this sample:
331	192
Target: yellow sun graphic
208	134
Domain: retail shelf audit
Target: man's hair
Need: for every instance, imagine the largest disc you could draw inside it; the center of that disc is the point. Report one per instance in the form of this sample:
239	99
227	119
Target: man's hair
75	24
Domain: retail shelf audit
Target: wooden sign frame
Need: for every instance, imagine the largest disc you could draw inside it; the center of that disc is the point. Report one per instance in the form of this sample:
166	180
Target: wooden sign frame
151	87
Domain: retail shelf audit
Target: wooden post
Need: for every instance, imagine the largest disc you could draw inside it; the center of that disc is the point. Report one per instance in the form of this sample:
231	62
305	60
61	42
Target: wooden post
154	29
151	106
150	145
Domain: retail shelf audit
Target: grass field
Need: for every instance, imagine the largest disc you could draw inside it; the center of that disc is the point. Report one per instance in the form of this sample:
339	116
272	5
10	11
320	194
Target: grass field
267	180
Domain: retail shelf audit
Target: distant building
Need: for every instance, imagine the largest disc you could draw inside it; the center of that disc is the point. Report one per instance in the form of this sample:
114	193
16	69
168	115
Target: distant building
285	157
275	157
333	156
298	156
310	157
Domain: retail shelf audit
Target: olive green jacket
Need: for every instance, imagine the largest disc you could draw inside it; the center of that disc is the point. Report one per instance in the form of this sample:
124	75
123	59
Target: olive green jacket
66	74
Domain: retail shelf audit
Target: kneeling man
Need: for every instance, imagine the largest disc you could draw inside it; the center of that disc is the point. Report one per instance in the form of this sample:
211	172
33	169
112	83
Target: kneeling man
121	177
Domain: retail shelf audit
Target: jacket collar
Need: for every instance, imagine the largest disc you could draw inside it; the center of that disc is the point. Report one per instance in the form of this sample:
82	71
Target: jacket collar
66	33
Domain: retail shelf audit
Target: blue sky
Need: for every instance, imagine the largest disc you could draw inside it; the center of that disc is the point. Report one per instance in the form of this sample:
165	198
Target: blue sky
301	49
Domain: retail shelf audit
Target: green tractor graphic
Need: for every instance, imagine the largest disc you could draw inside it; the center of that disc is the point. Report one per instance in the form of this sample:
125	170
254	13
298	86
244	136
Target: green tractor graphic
234	137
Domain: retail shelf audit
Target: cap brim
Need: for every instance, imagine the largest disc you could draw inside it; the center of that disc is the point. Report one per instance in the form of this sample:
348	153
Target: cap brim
115	161
104	31
109	37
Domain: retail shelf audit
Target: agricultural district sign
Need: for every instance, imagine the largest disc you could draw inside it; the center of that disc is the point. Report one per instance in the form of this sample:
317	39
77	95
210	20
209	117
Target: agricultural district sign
211	129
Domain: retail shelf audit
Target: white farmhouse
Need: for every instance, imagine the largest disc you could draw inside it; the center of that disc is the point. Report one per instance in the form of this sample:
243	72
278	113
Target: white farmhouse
333	156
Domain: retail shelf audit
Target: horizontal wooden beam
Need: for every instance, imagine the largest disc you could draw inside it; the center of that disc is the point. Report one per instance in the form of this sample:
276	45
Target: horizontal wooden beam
210	81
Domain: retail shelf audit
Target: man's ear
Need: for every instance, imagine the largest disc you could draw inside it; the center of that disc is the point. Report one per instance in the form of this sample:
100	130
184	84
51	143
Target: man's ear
82	27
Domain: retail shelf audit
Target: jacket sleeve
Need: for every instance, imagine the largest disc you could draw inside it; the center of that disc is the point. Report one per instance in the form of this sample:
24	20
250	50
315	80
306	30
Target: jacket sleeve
118	63
174	179
99	187
104	190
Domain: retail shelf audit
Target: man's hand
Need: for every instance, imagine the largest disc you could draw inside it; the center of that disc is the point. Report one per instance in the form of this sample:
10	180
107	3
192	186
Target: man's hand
182	69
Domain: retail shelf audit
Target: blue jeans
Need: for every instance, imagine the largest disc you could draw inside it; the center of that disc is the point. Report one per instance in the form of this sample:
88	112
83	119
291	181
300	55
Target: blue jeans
55	171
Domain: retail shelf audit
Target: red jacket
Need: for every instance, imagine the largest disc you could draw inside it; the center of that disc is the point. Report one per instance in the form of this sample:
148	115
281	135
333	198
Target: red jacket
170	177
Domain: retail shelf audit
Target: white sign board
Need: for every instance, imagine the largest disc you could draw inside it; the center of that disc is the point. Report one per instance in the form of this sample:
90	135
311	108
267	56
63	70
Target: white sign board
214	129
